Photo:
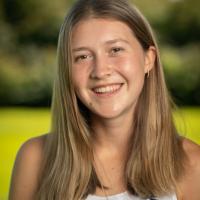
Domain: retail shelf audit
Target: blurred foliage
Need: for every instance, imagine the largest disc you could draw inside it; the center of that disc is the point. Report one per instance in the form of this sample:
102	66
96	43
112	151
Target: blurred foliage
34	21
28	37
28	80
182	24
183	73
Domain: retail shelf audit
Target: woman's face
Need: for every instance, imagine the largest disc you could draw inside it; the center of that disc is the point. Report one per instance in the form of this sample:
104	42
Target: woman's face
108	67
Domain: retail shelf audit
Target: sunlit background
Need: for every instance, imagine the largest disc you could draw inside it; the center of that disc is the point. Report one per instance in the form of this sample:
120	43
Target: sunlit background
28	37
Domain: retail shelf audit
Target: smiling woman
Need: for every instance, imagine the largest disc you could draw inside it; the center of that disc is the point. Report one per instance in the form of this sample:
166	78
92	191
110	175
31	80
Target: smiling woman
112	136
108	65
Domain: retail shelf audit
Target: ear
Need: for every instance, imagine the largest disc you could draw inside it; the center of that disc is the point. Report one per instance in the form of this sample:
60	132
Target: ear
150	56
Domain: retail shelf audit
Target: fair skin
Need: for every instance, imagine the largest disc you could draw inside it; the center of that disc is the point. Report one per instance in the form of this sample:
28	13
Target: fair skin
108	69
108	72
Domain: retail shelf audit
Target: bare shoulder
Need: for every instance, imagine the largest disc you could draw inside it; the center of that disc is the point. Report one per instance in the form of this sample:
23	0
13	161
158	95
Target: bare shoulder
190	184
26	169
192	151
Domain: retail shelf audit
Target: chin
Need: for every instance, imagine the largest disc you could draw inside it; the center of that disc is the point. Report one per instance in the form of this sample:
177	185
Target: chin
106	114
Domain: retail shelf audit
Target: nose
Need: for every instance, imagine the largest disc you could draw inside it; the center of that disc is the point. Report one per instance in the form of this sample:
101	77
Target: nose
101	68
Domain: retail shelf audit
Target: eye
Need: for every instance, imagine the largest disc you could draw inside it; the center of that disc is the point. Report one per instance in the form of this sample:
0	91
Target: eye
81	57
116	50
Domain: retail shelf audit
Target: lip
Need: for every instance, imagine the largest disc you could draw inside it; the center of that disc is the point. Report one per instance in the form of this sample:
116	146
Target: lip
116	88
105	85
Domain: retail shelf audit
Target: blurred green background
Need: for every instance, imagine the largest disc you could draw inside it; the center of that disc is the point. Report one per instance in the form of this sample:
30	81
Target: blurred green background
28	38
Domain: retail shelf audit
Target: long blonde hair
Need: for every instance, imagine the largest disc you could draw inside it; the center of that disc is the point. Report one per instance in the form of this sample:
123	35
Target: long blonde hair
156	156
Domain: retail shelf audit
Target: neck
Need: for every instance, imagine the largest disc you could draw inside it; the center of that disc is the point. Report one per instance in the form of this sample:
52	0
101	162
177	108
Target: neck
113	135
111	140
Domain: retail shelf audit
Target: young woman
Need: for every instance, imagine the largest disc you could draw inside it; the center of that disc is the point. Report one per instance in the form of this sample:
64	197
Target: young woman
112	136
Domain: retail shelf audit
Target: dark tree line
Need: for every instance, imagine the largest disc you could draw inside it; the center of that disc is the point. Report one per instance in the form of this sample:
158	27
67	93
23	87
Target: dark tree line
28	38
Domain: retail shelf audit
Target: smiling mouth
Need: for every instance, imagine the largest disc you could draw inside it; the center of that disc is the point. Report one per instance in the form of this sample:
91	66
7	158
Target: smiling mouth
106	90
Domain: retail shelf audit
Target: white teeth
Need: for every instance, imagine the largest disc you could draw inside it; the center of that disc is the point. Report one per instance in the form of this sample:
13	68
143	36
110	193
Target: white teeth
107	89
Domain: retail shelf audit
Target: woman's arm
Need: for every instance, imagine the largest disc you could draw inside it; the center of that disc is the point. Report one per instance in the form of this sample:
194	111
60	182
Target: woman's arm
26	170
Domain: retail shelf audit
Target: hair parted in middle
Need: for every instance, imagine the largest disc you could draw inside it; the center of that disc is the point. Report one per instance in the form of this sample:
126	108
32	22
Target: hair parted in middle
156	158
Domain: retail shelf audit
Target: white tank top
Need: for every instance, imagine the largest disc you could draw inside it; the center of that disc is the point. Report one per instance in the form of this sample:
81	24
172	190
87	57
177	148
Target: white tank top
127	196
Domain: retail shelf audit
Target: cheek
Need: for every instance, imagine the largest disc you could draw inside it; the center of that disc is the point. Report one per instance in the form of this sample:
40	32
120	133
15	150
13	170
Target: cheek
77	79
80	82
78	75
131	66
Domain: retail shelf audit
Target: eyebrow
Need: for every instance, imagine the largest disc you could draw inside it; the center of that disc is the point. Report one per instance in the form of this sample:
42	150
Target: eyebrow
117	40
80	49
107	42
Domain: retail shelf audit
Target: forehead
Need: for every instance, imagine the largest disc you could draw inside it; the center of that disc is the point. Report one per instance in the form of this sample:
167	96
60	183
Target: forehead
100	29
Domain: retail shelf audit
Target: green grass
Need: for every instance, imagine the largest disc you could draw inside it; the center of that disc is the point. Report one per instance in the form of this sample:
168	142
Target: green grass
188	122
16	126
19	124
